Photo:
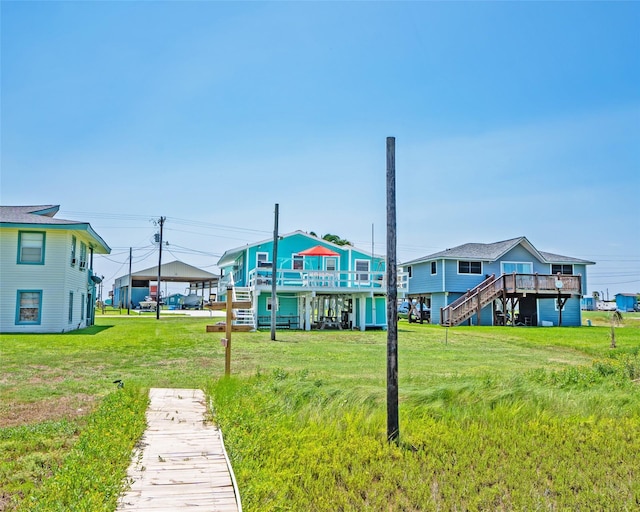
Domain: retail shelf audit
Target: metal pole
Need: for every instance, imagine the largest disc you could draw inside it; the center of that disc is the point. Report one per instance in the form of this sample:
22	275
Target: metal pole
129	287
159	275
393	426
274	268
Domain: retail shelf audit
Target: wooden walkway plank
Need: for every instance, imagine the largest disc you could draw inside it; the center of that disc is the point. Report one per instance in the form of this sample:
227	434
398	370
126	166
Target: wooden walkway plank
181	463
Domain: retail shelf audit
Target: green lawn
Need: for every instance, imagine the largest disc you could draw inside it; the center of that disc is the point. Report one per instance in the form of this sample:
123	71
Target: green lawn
491	418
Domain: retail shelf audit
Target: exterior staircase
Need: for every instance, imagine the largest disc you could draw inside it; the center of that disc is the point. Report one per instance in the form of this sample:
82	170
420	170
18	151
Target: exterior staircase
508	285
472	302
243	316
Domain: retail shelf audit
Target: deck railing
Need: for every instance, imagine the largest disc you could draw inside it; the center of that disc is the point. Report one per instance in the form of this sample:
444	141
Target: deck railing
475	299
322	279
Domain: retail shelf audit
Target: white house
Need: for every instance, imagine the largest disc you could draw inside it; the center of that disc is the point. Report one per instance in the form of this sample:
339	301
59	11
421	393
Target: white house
46	270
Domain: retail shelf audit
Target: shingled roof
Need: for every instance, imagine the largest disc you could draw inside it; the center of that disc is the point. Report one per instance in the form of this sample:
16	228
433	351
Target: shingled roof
42	216
494	251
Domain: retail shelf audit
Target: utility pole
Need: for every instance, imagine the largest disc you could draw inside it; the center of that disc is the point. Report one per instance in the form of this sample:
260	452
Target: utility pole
162	219
129	287
393	426
274	267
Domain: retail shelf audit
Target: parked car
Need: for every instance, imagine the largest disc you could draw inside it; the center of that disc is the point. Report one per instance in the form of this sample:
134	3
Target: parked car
403	308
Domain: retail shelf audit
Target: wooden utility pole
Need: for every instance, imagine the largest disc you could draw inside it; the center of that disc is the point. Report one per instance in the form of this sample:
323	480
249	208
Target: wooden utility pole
162	219
393	426
274	268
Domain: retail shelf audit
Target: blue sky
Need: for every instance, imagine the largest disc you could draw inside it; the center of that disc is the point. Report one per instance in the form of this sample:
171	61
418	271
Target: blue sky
510	119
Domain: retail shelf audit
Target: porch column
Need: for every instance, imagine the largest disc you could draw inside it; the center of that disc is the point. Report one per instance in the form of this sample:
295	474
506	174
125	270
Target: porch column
307	312
363	312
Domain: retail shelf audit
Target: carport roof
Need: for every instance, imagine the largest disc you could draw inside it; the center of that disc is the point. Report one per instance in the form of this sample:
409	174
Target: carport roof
175	271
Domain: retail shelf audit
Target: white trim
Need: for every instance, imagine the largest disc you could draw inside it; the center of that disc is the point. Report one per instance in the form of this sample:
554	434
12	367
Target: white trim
502	263
368	270
470	262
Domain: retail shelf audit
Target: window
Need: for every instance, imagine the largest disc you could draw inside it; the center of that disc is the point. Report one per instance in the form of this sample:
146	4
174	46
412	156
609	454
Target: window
70	307
469	267
31	247
509	267
434	268
269	304
83	255
297	263
73	250
410	271
565	270
263	259
362	266
331	264
82	306
29	307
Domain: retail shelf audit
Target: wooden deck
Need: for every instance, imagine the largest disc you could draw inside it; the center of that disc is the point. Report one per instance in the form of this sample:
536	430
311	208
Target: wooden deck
182	463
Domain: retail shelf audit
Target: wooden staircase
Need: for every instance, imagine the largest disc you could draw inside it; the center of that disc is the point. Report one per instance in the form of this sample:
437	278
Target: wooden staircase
243	316
508	285
472	302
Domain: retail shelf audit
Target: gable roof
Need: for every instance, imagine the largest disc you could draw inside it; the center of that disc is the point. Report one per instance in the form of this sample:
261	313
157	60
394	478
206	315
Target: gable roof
494	251
176	271
230	255
43	216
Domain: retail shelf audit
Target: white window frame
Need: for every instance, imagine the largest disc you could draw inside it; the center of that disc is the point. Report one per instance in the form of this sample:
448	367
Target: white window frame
562	265
83	256
265	260
362	278
516	263
269	303
434	268
327	259
470	273
297	258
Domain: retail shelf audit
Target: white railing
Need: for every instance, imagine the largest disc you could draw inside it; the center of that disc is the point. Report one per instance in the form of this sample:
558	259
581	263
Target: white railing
322	279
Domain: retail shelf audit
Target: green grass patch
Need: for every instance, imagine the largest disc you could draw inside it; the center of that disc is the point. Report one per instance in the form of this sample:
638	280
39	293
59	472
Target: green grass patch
491	418
93	474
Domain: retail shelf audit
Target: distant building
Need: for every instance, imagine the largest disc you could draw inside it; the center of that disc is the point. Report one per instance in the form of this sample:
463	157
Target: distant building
46	264
627	302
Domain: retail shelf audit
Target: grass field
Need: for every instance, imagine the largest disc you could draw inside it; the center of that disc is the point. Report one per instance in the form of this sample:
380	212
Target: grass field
491	418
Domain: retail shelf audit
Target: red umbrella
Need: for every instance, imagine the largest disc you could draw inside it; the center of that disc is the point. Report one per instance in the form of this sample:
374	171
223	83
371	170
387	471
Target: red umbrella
318	250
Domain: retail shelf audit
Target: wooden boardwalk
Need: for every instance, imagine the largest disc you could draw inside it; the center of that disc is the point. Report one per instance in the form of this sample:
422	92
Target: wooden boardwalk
182	463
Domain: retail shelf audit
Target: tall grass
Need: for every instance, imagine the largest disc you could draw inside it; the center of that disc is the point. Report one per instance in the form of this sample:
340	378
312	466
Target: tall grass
490	418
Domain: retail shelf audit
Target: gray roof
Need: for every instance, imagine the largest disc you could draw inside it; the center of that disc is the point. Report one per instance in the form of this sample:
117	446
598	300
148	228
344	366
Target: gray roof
42	216
176	271
494	251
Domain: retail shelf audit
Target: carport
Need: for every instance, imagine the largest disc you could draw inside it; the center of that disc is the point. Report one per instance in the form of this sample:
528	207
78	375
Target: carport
200	282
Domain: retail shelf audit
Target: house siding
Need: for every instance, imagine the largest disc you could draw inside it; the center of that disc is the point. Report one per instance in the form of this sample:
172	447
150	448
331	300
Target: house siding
56	278
571	313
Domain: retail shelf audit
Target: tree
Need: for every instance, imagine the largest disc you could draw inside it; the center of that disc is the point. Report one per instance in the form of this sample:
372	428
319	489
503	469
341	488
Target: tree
335	239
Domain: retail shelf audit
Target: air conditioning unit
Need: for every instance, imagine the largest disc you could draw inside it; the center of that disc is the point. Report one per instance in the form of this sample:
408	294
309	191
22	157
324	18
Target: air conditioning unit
73	261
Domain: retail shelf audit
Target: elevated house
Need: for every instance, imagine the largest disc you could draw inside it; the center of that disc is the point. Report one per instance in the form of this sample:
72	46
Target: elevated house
318	284
46	269
507	282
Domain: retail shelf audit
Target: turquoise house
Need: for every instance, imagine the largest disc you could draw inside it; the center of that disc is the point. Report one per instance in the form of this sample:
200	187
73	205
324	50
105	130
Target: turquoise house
509	282
319	285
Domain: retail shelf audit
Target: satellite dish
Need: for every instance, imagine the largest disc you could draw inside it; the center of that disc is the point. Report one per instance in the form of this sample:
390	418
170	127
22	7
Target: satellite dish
558	284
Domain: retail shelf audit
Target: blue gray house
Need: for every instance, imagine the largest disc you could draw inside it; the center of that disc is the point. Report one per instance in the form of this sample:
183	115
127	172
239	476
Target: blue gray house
507	282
